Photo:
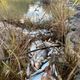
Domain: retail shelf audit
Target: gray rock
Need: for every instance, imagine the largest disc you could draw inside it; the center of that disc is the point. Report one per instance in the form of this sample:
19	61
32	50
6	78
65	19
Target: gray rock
73	42
75	38
74	23
77	7
36	14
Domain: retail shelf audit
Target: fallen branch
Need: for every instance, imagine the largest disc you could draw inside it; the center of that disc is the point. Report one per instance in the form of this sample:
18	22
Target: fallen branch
55	45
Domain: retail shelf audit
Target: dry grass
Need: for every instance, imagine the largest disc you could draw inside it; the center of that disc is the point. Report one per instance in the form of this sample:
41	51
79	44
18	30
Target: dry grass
60	14
15	45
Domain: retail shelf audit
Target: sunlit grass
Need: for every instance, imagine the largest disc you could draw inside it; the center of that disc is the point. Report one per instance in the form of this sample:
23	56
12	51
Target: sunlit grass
14	9
13	66
76	2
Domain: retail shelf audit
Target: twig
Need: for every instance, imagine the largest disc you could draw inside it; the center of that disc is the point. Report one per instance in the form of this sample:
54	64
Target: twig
55	45
29	52
71	73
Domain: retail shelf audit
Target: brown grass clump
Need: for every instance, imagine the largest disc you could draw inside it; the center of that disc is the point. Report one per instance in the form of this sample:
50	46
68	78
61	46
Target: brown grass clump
15	45
60	12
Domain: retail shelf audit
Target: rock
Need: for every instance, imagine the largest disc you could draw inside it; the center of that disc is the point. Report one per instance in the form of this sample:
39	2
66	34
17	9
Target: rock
36	14
72	48
77	7
73	43
74	23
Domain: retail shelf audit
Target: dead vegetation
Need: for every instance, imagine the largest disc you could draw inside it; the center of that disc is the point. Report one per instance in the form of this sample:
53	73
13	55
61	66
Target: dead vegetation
14	45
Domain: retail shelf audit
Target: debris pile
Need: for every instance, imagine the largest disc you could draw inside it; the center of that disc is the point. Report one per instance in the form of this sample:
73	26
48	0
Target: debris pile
41	53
